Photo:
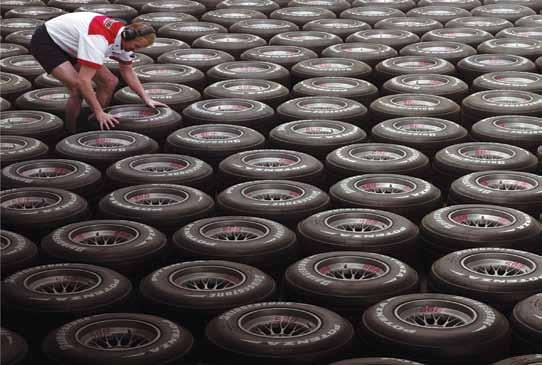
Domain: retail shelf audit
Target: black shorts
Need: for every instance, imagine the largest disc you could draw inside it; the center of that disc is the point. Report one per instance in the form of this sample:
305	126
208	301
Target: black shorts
46	51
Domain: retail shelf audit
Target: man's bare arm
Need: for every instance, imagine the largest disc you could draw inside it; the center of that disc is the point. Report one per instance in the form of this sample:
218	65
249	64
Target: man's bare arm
131	79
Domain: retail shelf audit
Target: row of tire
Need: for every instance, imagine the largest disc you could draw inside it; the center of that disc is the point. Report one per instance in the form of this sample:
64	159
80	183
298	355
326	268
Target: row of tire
377	293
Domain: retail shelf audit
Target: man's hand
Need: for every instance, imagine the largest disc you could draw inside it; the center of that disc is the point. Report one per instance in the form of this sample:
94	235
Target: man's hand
155	104
107	121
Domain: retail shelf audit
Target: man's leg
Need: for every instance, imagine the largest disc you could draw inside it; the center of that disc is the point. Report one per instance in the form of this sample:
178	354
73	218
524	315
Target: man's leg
66	73
106	83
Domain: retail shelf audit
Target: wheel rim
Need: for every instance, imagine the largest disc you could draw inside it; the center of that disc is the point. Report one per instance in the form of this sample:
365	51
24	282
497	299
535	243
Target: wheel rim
159	165
156	197
358	222
20	119
420	126
435	314
414	101
8	144
483	218
46	170
246	86
351	268
215	133
214	278
385	185
228	107
135	113
234	231
5	242
271	159
279	323
117	335
30	200
507	182
62	281
324	106
425	80
106	140
377	153
318	128
272	192
103	235
507	98
498	264
523	126
486	153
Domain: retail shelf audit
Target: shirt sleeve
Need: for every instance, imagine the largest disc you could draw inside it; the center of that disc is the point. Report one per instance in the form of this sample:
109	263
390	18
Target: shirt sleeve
91	51
123	57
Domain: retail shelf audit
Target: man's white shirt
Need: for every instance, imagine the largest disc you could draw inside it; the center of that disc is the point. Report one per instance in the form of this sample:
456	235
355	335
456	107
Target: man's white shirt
89	37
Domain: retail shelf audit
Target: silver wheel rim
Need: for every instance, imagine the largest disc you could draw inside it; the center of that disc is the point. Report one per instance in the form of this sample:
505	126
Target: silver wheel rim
279	323
159	165
498	98
425	80
234	231
498	264
103	235
377	153
46	170
506	182
351	268
12	144
523	126
272	192
118	335
486	153
215	133
358	222
213	278
435	314
419	126
482	218
106	141
322	106
414	101
385	185
30	200
156	197
62	281
271	159
5	242
318	128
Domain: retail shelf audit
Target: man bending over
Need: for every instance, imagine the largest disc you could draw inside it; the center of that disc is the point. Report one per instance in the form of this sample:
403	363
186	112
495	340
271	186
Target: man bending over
73	47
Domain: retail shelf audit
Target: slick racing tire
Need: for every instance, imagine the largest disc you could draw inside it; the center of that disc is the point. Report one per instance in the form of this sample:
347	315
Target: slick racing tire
17	253
527	325
404	195
163	206
498	277
364	230
236	335
162	168
346	282
130	248
513	189
160	340
482	331
284	201
315	137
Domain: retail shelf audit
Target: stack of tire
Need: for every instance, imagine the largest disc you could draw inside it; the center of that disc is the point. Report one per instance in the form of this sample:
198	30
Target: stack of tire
335	182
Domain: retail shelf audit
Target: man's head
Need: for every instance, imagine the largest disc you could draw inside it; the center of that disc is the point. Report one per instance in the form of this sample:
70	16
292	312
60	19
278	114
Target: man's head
137	35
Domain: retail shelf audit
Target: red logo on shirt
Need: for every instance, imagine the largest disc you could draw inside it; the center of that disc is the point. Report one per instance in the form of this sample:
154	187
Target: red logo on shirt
106	27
